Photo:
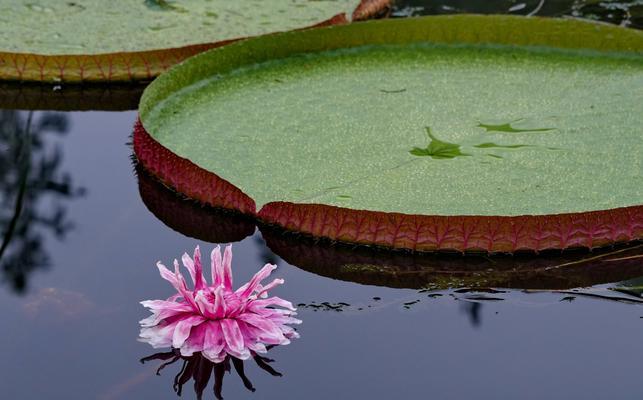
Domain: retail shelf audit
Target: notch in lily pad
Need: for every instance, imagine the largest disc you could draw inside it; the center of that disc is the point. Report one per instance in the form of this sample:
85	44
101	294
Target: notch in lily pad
437	148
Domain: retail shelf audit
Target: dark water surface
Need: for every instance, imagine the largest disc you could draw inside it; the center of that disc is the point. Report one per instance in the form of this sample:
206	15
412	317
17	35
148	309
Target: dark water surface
620	12
81	254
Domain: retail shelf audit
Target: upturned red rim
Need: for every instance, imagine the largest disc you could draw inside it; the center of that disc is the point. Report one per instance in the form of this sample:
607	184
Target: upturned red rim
491	234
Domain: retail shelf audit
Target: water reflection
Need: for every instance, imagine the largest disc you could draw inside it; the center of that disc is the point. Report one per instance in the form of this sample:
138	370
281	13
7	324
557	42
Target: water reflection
620	12
33	192
188	217
549	271
200	369
552	271
20	96
473	311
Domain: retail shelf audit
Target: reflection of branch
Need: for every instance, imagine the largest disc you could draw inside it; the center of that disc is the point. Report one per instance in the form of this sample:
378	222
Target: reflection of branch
25	157
625	258
473	309
599	257
28	175
538	7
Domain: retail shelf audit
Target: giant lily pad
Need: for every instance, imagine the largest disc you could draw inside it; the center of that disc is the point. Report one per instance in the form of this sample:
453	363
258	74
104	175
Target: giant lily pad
465	133
132	40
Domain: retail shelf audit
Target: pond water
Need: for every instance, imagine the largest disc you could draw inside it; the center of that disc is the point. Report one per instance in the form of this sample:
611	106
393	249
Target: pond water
81	255
621	12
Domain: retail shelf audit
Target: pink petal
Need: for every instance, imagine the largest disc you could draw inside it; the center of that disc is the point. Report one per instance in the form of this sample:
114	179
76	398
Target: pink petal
217	267
183	328
284	320
263	291
158	336
289	332
247	289
250	338
188	264
214	343
179	277
262	294
269	330
227	267
205	306
258	348
182	286
195	341
167	275
155	305
257	305
219	310
199	281
234	339
163	310
257	335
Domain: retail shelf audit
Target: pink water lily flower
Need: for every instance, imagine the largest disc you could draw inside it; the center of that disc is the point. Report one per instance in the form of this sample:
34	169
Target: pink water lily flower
214	319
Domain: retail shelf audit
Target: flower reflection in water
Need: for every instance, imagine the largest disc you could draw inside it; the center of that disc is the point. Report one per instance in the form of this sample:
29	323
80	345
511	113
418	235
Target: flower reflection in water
200	369
209	325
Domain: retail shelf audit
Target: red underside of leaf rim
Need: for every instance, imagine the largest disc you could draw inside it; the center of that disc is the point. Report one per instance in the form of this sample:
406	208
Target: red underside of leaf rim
374	266
139	66
491	234
190	218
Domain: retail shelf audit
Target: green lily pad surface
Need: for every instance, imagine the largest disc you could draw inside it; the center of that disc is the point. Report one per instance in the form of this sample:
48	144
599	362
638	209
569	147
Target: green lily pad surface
434	127
99	26
133	40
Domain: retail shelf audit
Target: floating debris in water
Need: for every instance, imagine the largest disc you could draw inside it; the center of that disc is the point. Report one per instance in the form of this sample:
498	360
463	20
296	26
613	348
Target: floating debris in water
482	297
324	306
408	304
479	290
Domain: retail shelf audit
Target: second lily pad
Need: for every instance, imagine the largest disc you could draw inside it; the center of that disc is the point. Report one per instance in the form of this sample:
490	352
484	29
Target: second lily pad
135	40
